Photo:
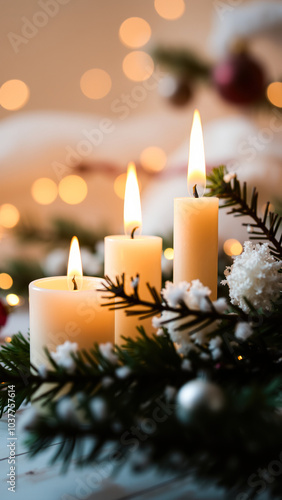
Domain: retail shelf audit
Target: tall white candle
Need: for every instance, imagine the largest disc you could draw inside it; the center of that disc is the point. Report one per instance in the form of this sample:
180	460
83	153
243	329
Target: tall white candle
196	222
59	312
133	254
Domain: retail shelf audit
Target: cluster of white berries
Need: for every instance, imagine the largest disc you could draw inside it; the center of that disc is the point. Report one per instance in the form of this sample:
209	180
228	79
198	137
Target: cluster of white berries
62	355
229	176
195	296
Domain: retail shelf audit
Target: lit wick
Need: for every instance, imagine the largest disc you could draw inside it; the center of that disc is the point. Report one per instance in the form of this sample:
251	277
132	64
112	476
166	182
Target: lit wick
195	192
74	283
133	231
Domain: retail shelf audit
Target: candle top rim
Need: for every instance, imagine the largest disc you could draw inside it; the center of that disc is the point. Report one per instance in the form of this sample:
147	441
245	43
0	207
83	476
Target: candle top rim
197	200
137	237
35	285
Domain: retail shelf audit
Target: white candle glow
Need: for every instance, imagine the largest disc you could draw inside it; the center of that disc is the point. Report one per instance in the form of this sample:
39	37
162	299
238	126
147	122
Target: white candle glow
196	222
133	254
67	308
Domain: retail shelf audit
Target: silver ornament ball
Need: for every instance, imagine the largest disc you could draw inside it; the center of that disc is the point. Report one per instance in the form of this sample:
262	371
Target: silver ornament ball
198	395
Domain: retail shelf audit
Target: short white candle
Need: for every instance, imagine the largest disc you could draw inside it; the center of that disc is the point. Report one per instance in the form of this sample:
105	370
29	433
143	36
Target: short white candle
133	255
196	222
59	313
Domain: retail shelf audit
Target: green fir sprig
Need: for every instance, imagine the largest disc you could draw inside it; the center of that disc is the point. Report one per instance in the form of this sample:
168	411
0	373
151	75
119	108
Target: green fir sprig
183	62
15	369
235	195
267	327
225	447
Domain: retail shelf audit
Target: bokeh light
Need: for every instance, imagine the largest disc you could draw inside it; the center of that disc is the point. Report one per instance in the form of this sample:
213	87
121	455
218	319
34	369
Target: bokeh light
169	253
138	66
9	215
12	299
73	189
274	93
170	9
44	191
232	247
14	94
95	83
119	185
135	32
153	159
8	339
6	281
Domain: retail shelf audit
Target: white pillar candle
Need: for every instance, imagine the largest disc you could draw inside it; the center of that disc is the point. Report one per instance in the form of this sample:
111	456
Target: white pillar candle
59	313
196	222
133	254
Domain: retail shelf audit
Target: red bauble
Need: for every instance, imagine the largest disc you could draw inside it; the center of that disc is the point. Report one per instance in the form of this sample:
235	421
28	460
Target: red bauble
3	314
240	79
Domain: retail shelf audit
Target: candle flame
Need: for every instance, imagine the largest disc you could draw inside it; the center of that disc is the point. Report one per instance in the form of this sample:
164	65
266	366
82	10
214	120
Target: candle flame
74	266
132	206
196	163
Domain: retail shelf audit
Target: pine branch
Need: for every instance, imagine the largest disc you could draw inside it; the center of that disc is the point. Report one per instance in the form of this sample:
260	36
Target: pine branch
235	196
90	369
184	316
182	62
147	358
267	332
60	231
133	305
251	396
249	411
179	437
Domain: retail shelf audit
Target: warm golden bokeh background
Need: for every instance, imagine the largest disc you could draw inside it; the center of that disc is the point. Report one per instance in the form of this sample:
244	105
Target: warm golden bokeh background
79	99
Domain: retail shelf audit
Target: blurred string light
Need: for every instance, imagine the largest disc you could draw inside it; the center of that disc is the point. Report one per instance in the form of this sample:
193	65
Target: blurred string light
12	299
119	185
73	189
232	247
153	159
134	32
44	191
95	83
9	215
6	281
169	253
274	93
170	9
8	339
14	94
138	66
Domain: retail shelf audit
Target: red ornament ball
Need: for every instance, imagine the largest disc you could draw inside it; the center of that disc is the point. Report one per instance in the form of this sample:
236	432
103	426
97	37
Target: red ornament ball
240	79
3	314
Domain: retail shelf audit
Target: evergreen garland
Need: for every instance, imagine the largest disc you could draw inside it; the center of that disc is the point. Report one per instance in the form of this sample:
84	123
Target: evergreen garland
235	196
226	447
183	62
